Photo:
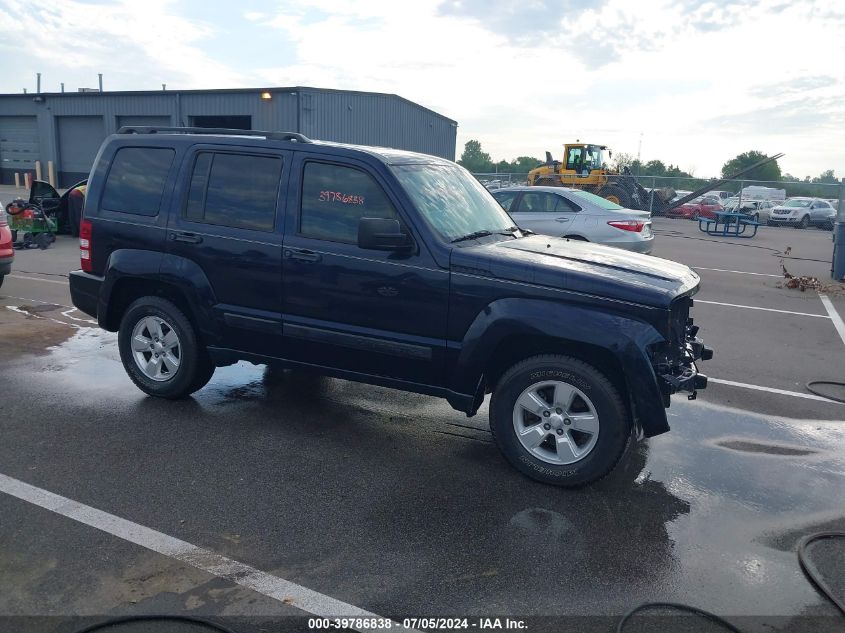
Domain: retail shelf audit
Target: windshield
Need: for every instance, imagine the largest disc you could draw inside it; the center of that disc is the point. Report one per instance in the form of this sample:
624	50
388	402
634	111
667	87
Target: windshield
597	200
453	202
797	203
593	157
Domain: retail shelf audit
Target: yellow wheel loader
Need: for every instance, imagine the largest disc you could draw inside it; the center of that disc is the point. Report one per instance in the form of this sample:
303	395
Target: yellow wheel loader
585	167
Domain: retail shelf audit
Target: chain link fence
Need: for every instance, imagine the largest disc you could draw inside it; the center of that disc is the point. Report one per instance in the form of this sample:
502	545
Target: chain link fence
734	193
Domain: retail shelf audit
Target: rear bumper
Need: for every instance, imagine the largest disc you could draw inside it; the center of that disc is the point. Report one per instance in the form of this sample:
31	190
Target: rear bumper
85	291
641	246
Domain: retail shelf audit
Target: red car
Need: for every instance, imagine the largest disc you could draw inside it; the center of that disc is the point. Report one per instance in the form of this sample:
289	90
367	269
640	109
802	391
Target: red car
704	207
7	253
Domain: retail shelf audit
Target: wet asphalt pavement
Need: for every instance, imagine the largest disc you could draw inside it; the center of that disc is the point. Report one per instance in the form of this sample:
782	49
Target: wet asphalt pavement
397	504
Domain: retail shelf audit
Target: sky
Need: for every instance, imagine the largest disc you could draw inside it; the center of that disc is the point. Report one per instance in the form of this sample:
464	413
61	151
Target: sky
689	82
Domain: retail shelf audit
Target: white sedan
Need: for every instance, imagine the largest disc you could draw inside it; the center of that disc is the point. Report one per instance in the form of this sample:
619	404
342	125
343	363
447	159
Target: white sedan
579	215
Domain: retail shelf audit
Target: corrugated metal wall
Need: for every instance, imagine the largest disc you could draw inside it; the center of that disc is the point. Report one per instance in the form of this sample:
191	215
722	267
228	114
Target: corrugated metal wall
332	115
374	119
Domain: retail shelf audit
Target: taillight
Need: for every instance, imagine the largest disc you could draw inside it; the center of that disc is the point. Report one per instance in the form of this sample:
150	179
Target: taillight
85	246
628	225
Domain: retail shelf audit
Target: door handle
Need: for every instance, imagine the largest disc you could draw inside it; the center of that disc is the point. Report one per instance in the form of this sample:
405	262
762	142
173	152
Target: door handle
190	238
562	219
303	255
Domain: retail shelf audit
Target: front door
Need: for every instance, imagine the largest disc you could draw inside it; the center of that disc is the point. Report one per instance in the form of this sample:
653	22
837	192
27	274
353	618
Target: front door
375	312
228	219
545	213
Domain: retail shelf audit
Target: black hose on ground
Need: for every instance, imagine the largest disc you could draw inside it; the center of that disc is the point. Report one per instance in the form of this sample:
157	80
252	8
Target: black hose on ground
112	622
810	570
824	395
678	607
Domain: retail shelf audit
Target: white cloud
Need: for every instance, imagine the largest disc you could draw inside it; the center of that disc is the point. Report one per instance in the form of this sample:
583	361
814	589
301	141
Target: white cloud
126	40
701	80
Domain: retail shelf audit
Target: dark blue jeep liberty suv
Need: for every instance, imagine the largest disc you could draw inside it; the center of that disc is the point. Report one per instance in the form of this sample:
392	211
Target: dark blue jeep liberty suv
203	247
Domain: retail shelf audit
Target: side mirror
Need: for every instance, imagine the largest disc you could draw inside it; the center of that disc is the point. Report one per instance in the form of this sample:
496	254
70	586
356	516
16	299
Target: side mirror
382	234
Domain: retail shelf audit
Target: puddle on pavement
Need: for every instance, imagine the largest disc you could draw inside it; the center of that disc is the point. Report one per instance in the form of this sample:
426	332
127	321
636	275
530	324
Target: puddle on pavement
700	494
748	446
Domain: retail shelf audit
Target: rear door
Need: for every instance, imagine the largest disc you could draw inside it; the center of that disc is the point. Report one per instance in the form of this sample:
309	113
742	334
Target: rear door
228	219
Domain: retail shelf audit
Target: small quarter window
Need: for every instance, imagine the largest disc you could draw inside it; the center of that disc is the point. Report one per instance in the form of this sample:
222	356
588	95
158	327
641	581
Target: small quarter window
136	180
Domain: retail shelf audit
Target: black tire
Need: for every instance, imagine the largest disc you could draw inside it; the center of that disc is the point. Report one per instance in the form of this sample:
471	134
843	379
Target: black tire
614	431
205	371
622	196
14	235
195	366
804	223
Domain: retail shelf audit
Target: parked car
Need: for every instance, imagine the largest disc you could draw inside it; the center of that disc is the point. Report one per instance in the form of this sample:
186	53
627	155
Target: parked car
577	215
834	202
701	207
66	207
757	210
7	251
721	195
802	212
384	267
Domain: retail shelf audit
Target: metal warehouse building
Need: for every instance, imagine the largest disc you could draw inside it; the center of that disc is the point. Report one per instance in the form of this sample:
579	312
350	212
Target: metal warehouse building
68	127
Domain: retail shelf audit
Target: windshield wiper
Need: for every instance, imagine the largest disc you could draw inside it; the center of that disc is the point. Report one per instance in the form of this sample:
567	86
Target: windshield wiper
472	236
510	231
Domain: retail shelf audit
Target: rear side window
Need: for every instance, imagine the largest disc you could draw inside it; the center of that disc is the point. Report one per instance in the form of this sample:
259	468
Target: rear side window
335	198
136	180
236	190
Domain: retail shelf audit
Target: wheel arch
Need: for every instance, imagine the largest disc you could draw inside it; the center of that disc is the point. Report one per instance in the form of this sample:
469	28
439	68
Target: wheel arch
510	330
131	274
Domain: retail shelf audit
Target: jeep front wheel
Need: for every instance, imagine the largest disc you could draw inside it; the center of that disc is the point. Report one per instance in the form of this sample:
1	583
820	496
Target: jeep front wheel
559	420
160	351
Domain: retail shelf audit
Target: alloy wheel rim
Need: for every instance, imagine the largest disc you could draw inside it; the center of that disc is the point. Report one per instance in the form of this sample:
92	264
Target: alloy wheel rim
156	348
556	422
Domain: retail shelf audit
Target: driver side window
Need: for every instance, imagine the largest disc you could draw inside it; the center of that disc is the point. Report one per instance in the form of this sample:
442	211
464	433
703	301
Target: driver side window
335	198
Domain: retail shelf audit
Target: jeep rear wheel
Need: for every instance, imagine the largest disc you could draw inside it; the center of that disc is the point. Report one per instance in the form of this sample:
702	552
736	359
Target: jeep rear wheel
559	420
160	351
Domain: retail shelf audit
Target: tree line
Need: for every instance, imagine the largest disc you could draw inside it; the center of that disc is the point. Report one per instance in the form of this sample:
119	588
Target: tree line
476	160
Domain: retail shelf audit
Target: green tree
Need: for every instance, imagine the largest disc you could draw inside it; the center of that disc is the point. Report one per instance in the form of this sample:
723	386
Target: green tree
826	177
524	164
621	159
654	168
768	172
474	159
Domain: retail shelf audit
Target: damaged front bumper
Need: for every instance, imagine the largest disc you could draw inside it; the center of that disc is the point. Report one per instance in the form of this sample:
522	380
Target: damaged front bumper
681	372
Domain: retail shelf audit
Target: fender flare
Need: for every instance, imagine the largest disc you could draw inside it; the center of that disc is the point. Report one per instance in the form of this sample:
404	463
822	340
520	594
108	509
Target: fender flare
160	268
626	338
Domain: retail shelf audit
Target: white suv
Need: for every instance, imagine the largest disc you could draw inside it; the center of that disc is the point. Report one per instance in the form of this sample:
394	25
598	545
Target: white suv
802	212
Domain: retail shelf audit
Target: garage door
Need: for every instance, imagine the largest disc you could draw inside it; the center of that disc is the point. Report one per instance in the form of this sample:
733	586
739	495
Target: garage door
18	145
158	121
79	140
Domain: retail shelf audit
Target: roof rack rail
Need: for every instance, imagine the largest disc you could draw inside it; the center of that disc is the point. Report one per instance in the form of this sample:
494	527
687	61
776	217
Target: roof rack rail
217	131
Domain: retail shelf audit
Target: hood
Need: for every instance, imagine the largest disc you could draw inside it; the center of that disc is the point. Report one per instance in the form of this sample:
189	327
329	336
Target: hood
582	267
